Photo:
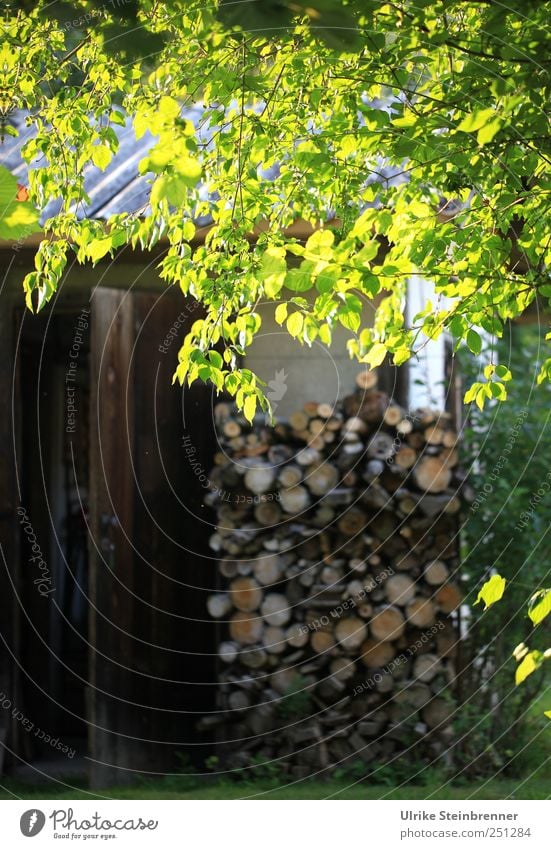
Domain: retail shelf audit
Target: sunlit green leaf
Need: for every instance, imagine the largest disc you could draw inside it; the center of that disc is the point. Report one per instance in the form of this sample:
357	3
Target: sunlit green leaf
540	606
529	664
491	591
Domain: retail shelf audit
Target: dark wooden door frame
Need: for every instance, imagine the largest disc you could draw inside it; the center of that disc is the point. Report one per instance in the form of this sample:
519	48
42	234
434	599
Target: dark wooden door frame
144	583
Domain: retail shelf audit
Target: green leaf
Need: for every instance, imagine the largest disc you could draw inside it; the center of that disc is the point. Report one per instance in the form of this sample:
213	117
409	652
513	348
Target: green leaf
98	248
320	245
300	279
327	279
473	341
529	664
18	219
376	355
349	318
475	120
101	156
491	591
189	169
295	323
488	131
281	313
540	606
249	407
273	270
503	373
170	187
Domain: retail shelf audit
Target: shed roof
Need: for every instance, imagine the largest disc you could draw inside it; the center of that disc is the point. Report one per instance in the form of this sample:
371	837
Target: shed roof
120	188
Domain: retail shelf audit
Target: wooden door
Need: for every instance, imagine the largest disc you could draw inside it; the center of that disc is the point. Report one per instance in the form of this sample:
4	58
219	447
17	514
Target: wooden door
10	730
151	663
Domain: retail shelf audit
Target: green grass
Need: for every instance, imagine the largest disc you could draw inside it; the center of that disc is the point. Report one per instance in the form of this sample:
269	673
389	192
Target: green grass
531	768
186	787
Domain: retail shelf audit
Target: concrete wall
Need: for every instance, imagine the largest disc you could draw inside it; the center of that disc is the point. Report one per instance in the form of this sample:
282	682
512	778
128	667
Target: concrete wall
300	373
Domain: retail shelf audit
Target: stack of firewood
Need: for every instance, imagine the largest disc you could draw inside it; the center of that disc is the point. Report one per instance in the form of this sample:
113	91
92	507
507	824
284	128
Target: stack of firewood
337	543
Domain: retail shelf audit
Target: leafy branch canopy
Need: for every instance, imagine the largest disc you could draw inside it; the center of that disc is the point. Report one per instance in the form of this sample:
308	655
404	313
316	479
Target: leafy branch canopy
414	139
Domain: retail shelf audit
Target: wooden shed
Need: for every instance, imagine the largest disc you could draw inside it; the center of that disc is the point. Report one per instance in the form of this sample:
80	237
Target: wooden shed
107	647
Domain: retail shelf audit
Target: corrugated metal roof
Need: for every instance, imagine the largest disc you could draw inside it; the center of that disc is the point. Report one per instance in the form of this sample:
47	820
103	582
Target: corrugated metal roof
120	188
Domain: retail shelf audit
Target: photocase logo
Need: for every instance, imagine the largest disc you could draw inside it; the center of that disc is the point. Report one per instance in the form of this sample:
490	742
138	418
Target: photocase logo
276	389
32	822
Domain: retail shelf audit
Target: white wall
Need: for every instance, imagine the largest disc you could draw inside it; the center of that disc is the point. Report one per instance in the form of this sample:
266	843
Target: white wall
318	374
427	368
309	374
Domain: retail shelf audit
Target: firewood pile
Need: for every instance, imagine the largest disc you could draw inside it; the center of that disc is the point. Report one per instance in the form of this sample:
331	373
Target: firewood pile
337	544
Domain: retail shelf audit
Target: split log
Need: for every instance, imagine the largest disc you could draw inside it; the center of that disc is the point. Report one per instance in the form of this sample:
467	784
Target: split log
254	658
275	609
354	425
431	475
366	379
376	654
290	476
384	682
244	567
405	457
267	513
373	469
330	575
245	594
352	522
268	569
283	681
323	516
294	500
387	624
404	427
245	628
299	420
274	639
399	589
448	598
231	429
307	457
228	651
227	568
316	426
380	446
434	435
310	408
426	667
342	668
393	415
450	439
365	610
421	612
437	713
297	635
219	605
435	572
260	479
351	632
322	641
432	505
325	411
279	454
321	478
